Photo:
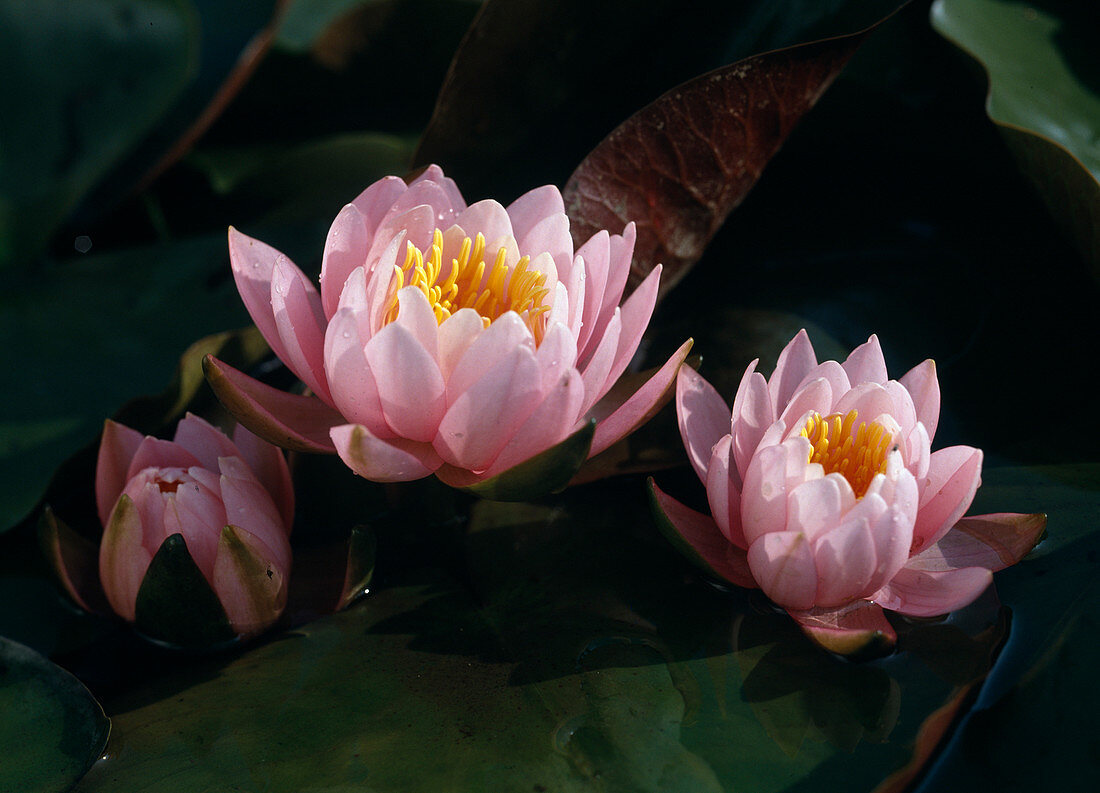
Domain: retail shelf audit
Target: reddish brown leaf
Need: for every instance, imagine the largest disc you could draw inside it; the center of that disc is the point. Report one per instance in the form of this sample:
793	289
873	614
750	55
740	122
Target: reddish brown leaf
679	166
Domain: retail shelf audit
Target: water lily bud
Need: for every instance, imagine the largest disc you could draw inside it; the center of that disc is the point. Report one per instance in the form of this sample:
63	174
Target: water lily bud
461	341
825	493
195	547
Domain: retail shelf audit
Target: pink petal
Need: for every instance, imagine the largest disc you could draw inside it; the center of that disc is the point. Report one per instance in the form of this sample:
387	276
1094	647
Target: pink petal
845	560
782	563
249	506
345	251
837	377
598	368
620	255
156	453
702	415
250	584
416	316
301	322
594	256
903	411
549	424
434	173
374	202
869	400
493	345
700	534
794	362
818	506
117	448
457	333
923	593
752	415
550	235
556	354
918	451
422	193
641	406
636	312
768	482
723	495
145	495
954	474
484	418
287	420
395	460
415	224
533	207
354	389
410	386
866	364
850	629
269	465
924	387
252	262
490	219
205	442
815	395
123	558
992	541
198	514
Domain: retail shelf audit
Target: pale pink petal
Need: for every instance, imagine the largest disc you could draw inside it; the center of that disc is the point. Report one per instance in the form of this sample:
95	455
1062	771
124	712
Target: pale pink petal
641	406
992	541
594	256
117	448
287	420
847	630
253	589
301	322
918	452
924	387
249	506
699	533
422	193
484	418
434	173
410	386
866	364
345	250
636	312
156	453
837	377
845	561
922	593
490	219
416	316
722	494
568	304
197	514
395	460
795	361
891	533
533	207
954	474
869	400
416	224
903	411
815	395
782	563
252	262
549	424
123	558
621	253
752	415
819	505
702	415
269	465
354	389
772	473
507	333
203	440
374	202
595	372
457	333
550	235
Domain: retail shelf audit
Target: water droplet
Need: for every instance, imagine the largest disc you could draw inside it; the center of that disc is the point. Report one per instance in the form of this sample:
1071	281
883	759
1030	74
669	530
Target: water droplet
83	243
346	334
565	732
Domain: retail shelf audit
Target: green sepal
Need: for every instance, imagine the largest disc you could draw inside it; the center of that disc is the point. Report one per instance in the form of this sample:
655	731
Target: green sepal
547	472
362	555
175	603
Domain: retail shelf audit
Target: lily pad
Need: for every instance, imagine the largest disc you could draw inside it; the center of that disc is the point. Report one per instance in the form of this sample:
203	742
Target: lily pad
52	730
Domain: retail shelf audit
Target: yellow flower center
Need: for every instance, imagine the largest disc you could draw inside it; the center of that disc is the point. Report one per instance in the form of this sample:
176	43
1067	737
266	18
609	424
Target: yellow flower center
466	285
856	455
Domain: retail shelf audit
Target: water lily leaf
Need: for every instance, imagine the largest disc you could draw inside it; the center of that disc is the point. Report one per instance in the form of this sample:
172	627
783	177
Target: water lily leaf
175	603
1044	95
52	730
79	106
679	166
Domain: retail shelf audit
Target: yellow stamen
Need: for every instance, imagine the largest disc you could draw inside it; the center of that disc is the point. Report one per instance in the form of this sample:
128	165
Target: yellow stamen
466	285
839	446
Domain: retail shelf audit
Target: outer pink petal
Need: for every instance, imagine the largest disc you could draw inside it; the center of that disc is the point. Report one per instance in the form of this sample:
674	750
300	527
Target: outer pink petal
249	506
846	561
594	256
117	448
416	316
252	262
640	407
866	364
493	345
484	418
533	207
549	424
701	533
924	387
345	251
157	453
204	441
395	460
703	418
773	472
457	333
922	593
991	541
549	235
847	630
250	606
818	506
752	415
198	514
269	465
433	173
954	474
722	494
795	361
596	372
354	389
301	323
636	313
410	385
621	254
374	202
782	563
556	354
123	559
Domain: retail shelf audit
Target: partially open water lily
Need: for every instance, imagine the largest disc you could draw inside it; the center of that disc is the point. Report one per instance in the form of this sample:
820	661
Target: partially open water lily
449	339
195	548
825	493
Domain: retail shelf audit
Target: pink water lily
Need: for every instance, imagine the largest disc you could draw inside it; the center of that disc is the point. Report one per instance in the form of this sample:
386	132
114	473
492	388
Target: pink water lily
825	493
445	338
231	501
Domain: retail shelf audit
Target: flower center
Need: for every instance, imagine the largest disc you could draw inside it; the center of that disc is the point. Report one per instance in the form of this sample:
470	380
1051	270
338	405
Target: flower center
489	290
840	447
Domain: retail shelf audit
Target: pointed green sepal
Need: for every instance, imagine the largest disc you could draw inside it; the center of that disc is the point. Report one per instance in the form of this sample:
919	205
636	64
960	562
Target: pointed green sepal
362	553
545	473
175	603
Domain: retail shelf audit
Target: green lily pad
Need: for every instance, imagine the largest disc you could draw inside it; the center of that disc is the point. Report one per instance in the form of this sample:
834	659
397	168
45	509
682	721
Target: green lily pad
52	730
1044	95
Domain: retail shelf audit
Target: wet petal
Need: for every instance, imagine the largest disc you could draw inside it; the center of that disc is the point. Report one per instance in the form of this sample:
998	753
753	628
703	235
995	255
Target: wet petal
923	593
702	415
394	460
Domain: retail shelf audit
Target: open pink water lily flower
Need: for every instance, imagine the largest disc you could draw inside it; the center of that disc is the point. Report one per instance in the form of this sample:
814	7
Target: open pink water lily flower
825	493
445	338
231	502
